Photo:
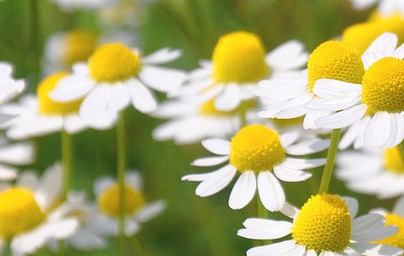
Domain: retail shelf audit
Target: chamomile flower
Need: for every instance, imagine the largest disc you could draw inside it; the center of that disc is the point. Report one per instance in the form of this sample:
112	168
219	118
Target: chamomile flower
40	115
28	214
9	87
116	76
381	172
325	225
73	5
137	210
21	153
287	97
256	150
239	62
361	35
63	49
375	104
385	7
193	121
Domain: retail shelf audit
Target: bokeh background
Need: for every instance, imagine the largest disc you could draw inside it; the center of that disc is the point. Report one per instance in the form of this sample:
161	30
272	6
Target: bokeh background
190	225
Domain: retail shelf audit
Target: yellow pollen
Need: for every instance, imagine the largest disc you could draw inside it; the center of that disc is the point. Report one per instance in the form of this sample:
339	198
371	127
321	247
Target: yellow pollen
361	35
397	239
383	86
239	57
19	212
80	44
49	107
256	148
113	62
393	160
208	108
323	224
109	201
335	60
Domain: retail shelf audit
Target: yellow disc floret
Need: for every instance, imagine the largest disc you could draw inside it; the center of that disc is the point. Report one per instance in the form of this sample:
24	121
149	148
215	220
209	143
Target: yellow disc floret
19	212
383	86
208	108
239	57
397	239
79	44
335	60
256	148
363	34
323	224
393	161
109	200
48	106
113	62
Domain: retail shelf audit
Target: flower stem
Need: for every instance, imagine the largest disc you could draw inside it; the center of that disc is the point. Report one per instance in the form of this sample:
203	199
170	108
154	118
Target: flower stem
262	214
329	165
121	168
7	248
401	147
35	40
66	162
137	247
243	115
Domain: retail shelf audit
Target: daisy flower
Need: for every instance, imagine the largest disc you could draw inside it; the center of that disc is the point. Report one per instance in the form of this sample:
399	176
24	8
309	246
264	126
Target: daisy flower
63	49
40	115
73	5
14	154
28	214
193	121
374	106
361	35
256	150
137	210
287	97
116	76
9	87
396	218
384	7
326	226
381	172
239	62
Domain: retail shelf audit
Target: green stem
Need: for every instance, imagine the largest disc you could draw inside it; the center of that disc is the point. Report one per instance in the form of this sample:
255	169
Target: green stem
401	147
7	248
66	162
243	115
121	168
34	48
60	251
329	165
137	247
262	214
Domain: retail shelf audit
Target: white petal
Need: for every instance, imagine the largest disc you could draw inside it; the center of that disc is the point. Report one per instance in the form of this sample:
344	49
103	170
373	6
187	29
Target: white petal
290	175
332	105
386	43
49	186
72	87
311	117
217	146
288	138
354	134
289	210
343	118
352	206
150	211
118	97
102	184
308	147
371	228
378	130
142	99
335	89
301	163
162	56
376	249
276	249
399	206
281	88
162	79
96	102
311	253
210	161
270	191
284	114
7	173
229	99
287	56
262	229
243	191
28	180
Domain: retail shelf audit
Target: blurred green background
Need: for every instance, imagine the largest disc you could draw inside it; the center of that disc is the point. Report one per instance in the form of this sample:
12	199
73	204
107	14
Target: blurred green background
190	225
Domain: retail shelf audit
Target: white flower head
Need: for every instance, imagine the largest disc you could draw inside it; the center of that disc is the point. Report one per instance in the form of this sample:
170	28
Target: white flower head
40	115
28	213
326	225
116	76
137	210
239	62
373	108
385	7
256	150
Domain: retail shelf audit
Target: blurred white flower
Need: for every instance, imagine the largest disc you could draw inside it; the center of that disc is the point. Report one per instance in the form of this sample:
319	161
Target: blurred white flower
21	153
384	7
73	5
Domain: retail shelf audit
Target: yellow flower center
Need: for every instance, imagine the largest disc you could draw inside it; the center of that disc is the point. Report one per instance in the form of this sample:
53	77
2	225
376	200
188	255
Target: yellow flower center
49	107
323	224
239	57
113	62
256	148
393	160
80	44
19	212
363	34
397	239
208	108
109	201
383	86
335	60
